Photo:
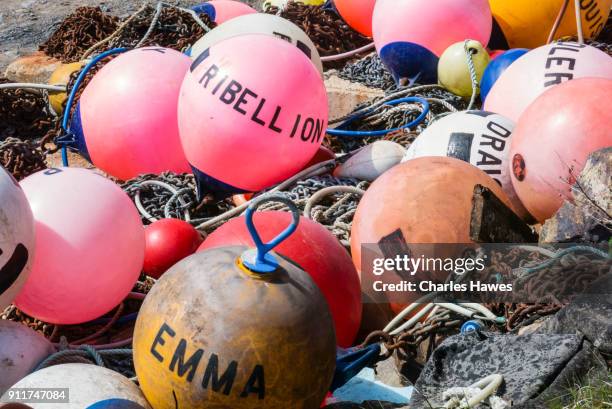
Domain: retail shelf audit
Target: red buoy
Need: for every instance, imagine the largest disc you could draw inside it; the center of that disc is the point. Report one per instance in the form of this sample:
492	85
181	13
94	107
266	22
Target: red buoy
317	251
167	242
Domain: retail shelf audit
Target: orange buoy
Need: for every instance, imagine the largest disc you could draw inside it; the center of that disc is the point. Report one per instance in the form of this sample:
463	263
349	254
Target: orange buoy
357	14
318	252
424	200
553	139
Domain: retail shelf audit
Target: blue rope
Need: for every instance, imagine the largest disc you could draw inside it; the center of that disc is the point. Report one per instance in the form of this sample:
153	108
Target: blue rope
418	120
74	89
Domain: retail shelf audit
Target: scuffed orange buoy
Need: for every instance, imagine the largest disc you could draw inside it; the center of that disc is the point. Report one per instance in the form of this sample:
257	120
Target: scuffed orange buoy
167	241
61	76
553	139
424	200
318	252
22	350
235	328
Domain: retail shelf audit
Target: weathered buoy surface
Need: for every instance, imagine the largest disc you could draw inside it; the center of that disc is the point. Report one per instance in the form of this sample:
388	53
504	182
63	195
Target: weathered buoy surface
260	23
14	406
478	137
453	68
266	351
90	246
317	251
371	161
126	120
168	241
424	200
542	68
22	350
553	139
357	14
61	76
499	63
116	404
524	23
410	35
240	129
86	384
17	242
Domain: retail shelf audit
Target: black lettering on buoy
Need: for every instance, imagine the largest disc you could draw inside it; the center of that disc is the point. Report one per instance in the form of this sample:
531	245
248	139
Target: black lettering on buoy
179	358
204	55
460	146
487	159
156	49
304	48
254	118
242	100
232	89
493	172
159	340
274	119
495	143
295	126
220	84
495	128
212	374
282	36
483	114
9	273
318	132
560	60
306	123
594	23
210	73
255	384
558	78
52	171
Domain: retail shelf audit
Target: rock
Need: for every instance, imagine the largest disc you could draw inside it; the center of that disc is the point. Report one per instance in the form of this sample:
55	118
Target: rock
36	68
528	364
588	218
344	96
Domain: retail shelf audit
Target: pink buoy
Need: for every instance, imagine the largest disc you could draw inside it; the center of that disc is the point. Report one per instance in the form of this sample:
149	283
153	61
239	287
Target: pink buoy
247	123
90	246
553	139
221	11
125	121
410	35
540	69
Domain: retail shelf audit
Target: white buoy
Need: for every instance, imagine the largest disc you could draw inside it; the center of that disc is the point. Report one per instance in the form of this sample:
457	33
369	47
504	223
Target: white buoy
86	384
478	137
371	161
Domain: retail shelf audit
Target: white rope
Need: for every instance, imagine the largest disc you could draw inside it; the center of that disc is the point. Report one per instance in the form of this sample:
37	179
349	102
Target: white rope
26	85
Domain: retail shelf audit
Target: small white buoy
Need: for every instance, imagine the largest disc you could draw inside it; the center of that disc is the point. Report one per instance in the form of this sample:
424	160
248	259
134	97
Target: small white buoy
371	161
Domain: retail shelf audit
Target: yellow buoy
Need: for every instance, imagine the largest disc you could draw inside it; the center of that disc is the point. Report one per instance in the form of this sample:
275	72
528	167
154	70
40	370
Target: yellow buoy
61	76
453	67
226	328
527	23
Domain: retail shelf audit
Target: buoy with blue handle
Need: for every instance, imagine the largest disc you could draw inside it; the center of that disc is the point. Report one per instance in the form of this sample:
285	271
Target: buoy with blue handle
236	327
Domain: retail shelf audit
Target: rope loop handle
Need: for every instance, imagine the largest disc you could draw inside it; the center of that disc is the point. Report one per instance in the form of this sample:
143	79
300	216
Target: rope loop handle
259	260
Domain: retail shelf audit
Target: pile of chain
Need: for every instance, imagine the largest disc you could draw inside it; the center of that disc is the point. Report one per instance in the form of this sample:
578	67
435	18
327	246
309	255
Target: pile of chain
159	202
172	28
369	71
326	29
335	211
79	31
21	158
23	114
